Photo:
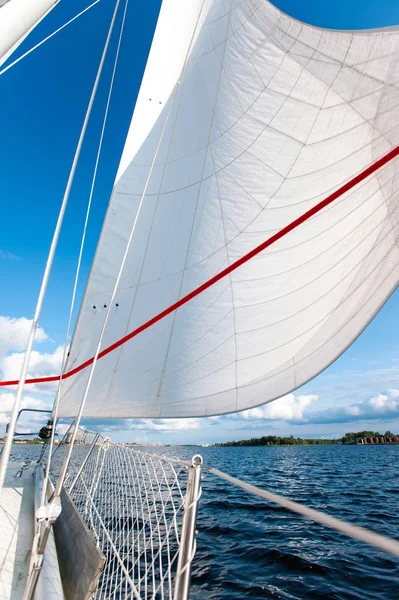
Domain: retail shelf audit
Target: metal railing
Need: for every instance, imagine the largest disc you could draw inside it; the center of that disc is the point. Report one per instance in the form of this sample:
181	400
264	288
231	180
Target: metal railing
141	509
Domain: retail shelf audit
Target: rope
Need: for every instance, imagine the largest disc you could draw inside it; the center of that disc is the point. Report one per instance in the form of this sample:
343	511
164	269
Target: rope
360	533
47	38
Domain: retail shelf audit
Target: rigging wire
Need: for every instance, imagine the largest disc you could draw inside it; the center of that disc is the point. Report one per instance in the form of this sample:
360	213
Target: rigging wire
17	60
122	265
82	244
50	259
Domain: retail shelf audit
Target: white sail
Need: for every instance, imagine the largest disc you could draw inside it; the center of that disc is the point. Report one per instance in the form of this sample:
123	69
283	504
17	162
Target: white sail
270	117
17	19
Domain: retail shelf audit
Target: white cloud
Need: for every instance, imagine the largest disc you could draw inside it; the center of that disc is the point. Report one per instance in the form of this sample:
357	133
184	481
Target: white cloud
287	408
62	428
297	410
14	334
7	402
168	424
380	406
164	424
150	425
5	255
27	419
40	365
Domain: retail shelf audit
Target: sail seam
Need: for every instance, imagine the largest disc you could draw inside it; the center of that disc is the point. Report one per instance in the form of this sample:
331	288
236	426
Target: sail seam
370	170
177	94
249	330
191	241
282	370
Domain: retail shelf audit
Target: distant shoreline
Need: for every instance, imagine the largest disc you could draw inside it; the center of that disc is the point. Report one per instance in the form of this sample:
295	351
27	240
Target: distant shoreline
353	438
369	438
232	445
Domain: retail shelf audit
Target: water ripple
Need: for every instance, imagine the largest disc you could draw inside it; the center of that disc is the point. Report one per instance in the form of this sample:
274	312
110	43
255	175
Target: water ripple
248	548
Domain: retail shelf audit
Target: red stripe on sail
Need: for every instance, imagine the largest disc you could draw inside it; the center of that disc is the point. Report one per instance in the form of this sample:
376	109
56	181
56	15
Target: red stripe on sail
235	265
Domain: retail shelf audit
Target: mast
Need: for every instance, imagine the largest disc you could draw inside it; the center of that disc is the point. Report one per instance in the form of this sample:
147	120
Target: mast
17	19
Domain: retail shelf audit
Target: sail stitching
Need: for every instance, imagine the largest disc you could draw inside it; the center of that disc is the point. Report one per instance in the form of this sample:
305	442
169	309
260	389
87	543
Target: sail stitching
317	349
175	95
262	303
347	275
244	259
190	244
292	56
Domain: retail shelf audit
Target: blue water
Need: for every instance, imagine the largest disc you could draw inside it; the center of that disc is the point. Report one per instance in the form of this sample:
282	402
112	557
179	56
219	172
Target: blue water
247	548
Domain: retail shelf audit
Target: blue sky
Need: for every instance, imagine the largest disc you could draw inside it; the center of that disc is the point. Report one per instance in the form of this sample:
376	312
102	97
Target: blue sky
42	103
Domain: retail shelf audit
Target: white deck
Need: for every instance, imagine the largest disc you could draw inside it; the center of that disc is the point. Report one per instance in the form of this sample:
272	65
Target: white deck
16	531
16	537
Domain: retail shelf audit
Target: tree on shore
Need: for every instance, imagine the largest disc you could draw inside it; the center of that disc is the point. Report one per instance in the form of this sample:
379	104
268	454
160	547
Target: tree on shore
275	440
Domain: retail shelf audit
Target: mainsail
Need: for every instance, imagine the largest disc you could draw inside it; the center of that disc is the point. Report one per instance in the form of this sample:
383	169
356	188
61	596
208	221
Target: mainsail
245	121
17	19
